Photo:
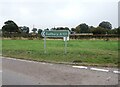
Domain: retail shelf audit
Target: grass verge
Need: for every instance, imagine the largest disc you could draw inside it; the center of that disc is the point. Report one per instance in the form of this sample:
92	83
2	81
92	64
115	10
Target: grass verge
80	52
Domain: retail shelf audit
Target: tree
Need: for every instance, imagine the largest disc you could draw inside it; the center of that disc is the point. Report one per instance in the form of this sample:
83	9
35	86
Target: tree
46	29
116	30
60	28
82	28
24	29
91	29
73	31
77	29
53	28
10	27
39	31
106	25
34	30
0	31
98	30
66	28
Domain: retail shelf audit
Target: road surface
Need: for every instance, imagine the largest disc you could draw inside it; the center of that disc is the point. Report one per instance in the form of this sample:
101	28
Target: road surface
21	72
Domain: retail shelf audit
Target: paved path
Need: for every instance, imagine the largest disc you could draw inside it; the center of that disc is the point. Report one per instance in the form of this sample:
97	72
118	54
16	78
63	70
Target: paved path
22	72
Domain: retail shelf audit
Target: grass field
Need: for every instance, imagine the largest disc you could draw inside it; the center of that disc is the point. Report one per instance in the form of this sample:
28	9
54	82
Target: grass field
88	52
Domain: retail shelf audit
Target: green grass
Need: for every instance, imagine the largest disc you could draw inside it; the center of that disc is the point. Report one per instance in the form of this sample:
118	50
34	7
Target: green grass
90	52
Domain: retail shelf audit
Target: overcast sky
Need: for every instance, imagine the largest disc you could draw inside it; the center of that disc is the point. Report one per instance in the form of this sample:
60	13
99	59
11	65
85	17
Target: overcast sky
58	13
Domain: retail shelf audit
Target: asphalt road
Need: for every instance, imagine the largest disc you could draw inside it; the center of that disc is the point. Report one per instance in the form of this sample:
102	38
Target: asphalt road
18	72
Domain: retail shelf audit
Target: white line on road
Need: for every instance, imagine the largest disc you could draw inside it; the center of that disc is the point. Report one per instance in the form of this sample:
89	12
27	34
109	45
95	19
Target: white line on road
116	72
81	67
96	69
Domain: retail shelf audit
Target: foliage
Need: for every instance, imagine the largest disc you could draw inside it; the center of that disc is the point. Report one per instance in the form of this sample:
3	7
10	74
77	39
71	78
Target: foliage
53	28
106	25
82	28
34	30
10	27
60	28
114	31
24	29
39	31
118	30
73	30
99	30
46	29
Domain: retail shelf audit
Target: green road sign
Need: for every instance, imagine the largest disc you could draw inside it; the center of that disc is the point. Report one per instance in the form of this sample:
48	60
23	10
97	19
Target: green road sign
55	33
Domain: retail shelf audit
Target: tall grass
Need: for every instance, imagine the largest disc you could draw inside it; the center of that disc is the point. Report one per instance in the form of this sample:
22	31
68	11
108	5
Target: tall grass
84	51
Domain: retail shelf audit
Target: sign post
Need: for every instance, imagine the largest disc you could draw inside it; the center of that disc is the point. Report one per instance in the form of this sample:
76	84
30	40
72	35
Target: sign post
65	45
44	44
55	33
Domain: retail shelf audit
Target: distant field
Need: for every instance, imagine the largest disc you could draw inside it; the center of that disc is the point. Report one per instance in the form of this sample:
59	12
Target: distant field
88	52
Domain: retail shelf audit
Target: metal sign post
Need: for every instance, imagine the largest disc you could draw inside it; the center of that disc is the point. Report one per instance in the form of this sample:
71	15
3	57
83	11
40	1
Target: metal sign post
65	45
55	33
44	44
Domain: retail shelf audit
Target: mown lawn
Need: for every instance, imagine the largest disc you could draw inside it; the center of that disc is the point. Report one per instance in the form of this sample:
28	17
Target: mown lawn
89	52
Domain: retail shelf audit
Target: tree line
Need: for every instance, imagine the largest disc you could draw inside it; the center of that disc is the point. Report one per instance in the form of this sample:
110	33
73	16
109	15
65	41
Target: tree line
104	27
